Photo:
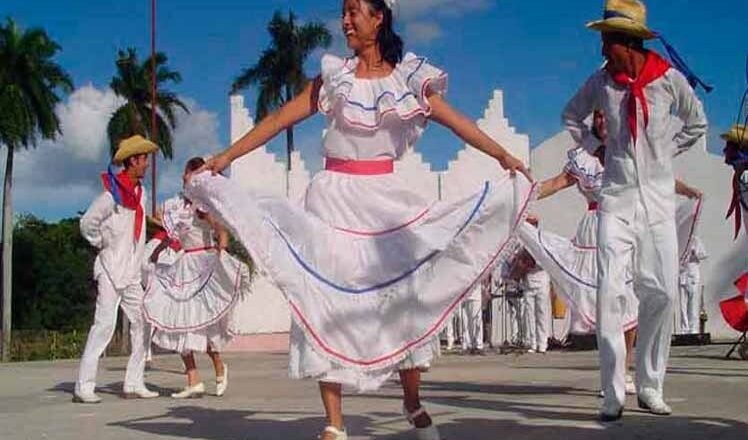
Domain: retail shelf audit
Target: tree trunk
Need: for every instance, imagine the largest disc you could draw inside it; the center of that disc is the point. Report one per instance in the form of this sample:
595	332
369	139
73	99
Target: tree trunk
7	280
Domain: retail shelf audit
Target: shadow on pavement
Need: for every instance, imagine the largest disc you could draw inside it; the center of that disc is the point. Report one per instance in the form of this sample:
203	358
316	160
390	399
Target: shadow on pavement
194	422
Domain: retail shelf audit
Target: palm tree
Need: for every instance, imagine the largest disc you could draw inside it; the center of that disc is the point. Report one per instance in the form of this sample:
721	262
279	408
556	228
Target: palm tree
279	73
30	81
133	83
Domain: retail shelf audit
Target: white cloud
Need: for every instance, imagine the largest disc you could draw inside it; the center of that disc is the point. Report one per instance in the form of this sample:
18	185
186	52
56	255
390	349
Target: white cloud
422	32
414	9
196	135
84	118
60	178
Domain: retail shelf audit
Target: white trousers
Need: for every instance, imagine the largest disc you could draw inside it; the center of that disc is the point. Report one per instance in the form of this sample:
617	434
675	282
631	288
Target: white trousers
130	299
537	316
690	305
516	322
651	249
449	330
472	324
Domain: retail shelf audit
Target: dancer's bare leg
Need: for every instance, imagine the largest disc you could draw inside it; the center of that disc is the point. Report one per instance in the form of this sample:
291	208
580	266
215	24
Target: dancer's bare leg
630	338
191	368
332	399
217	362
411	382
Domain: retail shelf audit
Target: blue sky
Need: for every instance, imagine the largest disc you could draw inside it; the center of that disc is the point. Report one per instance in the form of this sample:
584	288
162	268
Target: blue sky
538	52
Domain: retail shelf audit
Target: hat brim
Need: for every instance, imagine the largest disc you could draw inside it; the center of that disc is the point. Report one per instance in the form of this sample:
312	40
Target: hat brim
622	25
735	138
143	147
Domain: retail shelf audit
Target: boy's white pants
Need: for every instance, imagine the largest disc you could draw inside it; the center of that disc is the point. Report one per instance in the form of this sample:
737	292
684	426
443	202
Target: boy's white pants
652	250
690	306
472	324
130	299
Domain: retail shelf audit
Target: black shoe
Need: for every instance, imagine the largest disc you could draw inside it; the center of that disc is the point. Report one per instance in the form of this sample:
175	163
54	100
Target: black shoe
604	417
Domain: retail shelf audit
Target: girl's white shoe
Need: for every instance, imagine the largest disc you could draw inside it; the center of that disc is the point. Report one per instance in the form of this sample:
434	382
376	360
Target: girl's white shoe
189	392
339	435
222	382
427	433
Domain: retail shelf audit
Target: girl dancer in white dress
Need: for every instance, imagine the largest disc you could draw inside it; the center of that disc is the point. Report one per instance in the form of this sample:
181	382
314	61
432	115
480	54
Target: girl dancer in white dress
371	270
189	300
572	264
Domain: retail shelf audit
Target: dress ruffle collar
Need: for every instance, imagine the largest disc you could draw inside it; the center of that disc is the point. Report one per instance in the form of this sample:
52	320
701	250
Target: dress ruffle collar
364	103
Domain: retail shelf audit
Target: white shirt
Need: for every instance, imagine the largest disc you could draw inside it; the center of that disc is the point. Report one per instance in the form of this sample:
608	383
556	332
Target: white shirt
641	172
537	281
690	269
110	228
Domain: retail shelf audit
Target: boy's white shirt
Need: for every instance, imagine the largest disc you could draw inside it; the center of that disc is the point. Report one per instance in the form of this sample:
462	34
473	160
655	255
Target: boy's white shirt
644	170
110	228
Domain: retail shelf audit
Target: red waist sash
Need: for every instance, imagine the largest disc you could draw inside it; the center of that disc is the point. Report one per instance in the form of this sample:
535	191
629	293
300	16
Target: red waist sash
360	167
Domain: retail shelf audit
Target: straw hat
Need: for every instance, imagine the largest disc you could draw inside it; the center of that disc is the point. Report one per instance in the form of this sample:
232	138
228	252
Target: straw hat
738	134
132	146
624	16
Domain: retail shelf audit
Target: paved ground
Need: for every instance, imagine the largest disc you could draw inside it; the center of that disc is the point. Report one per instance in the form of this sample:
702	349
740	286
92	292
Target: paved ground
545	397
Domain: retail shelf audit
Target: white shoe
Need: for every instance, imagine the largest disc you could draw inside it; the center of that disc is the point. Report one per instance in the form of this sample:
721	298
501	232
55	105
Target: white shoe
222	382
142	393
426	433
339	434
189	392
652	401
90	397
630	386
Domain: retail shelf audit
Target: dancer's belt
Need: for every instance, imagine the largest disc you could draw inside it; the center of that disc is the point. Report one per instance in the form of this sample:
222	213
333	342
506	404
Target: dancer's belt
592	206
199	249
360	167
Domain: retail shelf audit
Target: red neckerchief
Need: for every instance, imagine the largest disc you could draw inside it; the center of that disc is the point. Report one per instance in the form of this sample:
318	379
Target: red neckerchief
735	206
129	197
174	243
654	68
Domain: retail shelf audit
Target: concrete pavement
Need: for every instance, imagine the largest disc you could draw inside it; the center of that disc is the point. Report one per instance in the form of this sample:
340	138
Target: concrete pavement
530	396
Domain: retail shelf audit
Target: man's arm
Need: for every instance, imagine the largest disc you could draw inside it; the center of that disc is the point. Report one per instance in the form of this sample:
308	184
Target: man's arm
90	224
579	109
687	108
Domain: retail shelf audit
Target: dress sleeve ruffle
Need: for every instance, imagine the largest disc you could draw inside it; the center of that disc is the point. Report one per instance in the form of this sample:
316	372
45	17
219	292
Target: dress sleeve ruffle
586	168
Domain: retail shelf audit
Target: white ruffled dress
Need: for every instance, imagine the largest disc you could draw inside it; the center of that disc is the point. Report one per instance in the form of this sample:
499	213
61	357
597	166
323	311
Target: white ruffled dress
371	269
572	264
189	297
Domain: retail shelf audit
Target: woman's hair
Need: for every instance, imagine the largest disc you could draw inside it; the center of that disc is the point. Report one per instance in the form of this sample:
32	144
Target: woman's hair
390	44
194	163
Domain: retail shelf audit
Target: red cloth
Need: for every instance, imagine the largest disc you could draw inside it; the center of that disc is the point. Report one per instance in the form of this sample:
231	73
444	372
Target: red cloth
174	244
128	195
742	284
654	68
735	206
735	312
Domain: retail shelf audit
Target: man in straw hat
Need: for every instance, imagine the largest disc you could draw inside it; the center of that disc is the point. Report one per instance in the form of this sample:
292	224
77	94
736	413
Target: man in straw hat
115	224
736	155
637	90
